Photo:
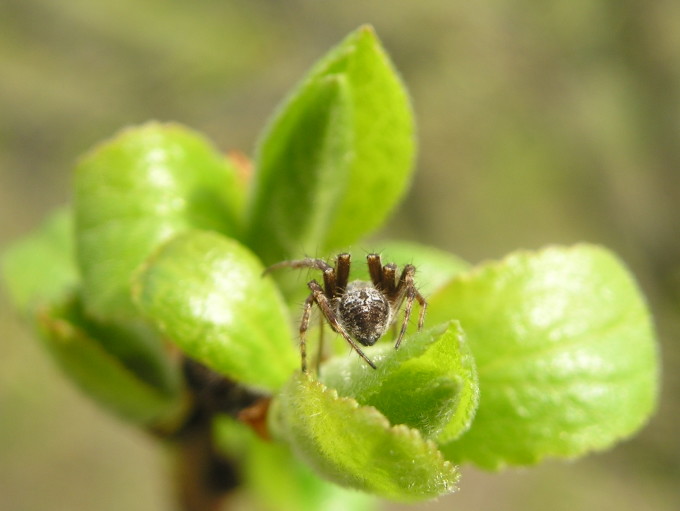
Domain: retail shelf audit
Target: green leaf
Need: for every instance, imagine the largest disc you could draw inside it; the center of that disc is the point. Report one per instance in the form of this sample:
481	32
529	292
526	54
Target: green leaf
302	171
336	158
429	383
121	367
137	190
565	352
40	268
206	293
355	446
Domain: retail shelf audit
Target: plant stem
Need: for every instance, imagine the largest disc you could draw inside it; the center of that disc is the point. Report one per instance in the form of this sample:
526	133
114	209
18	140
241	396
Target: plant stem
205	476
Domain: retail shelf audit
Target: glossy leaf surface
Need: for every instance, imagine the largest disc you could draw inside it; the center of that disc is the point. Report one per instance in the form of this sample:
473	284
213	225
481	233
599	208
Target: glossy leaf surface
565	353
206	293
137	190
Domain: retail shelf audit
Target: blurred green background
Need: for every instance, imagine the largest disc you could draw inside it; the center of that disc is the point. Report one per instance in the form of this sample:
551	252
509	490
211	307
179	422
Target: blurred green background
539	122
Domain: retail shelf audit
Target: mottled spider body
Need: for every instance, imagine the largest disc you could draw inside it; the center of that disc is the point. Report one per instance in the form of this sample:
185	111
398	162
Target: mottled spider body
363	311
360	311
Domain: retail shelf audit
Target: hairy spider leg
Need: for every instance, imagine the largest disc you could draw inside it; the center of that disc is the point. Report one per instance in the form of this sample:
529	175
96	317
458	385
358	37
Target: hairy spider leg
334	279
320	346
308	262
385	279
319	297
389	273
342	265
389	280
304	324
335	282
375	269
406	289
406	279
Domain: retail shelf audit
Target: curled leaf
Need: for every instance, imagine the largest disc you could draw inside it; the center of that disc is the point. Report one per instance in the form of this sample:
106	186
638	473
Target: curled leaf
429	383
355	446
121	367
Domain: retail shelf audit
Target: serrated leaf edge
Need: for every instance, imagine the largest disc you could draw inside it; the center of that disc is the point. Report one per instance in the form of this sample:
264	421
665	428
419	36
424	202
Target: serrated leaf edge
399	430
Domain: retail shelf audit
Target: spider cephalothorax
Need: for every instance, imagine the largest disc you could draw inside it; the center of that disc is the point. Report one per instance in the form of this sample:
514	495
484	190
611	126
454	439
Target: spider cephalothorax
360	311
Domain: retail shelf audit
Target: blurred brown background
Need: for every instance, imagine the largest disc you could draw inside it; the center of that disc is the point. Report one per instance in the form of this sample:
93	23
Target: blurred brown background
539	122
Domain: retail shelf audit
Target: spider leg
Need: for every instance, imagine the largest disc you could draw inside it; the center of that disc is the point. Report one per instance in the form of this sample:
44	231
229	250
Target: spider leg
389	277
319	353
392	290
423	307
342	266
375	269
308	262
329	274
406	289
383	277
304	324
322	301
407	316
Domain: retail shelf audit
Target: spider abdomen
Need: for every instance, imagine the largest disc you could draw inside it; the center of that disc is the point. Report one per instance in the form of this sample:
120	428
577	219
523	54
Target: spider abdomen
364	312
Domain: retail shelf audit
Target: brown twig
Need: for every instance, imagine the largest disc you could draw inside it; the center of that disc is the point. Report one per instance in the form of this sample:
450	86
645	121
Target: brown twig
205	476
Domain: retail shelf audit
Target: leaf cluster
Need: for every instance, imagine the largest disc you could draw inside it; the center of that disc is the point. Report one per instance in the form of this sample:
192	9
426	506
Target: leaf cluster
542	354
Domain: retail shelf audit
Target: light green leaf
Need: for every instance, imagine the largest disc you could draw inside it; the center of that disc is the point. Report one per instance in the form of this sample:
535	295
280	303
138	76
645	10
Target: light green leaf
302	171
121	367
137	190
565	353
40	268
429	383
336	158
206	293
355	446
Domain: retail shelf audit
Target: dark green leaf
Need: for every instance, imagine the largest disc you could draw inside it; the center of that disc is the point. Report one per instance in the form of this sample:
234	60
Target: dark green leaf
121	367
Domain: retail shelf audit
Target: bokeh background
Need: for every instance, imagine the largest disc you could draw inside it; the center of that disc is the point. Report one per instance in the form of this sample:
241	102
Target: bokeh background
539	122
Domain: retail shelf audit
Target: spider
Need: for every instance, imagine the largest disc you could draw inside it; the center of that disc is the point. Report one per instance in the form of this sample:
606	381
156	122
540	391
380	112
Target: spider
360	311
